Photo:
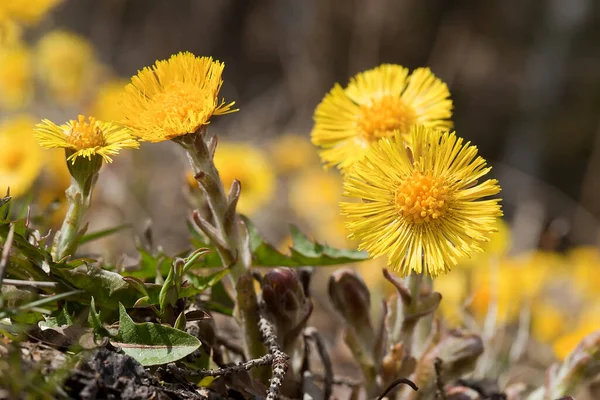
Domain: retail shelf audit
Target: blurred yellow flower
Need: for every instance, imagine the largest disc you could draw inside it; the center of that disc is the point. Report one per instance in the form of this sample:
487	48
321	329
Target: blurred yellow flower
10	31
548	321
27	11
16	76
250	166
19	155
567	343
85	138
584	266
375	104
293	153
421	207
66	64
106	105
174	97
314	196
454	290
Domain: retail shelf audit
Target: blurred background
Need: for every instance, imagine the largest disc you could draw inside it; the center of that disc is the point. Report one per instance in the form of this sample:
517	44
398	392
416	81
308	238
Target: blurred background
524	77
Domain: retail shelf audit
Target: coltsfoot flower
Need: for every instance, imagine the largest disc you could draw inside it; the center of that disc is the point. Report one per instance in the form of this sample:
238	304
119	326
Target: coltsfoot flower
16	76
19	156
421	205
375	104
174	97
251	167
85	138
27	11
66	65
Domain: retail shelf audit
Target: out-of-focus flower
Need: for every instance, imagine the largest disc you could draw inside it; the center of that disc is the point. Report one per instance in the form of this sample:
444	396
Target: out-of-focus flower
85	138
66	64
27	11
421	206
16	76
375	104
174	97
293	153
19	155
10	31
584	266
106	105
250	166
454	290
548	321
566	343
314	196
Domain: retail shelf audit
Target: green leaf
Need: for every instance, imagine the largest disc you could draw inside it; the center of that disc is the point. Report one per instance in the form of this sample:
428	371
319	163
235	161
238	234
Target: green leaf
100	234
152	344
108	288
94	320
148	265
303	253
201	283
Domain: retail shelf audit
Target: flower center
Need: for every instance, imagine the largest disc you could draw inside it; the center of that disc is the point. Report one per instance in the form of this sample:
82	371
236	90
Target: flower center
384	116
422	198
85	135
181	103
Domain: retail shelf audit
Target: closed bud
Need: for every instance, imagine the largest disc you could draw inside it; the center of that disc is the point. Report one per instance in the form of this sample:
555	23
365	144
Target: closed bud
287	303
459	351
351	298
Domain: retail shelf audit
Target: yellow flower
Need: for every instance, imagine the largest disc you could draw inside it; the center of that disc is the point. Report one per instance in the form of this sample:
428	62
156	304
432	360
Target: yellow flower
454	289
10	31
106	105
66	65
19	155
314	196
16	76
27	11
174	97
293	153
567	343
584	264
548	321
250	166
421	206
85	138
375	104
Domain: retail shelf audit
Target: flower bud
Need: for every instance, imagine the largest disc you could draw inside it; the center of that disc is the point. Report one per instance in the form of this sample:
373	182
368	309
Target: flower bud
459	351
286	301
351	298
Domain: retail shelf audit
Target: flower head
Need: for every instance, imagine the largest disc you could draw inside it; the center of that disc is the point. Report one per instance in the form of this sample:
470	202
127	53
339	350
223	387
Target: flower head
375	104
66	64
85	138
174	97
27	11
421	205
16	76
19	156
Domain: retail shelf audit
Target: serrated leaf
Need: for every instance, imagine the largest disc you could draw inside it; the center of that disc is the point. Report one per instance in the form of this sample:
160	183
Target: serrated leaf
94	320
152	344
103	233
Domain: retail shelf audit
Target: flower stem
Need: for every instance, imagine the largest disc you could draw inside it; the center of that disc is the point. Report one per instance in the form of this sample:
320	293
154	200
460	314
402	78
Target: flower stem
226	223
79	201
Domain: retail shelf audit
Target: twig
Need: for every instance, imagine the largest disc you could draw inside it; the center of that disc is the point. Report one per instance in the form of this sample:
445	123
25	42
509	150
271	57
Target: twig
6	251
401	381
267	359
313	334
439	383
280	359
19	282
